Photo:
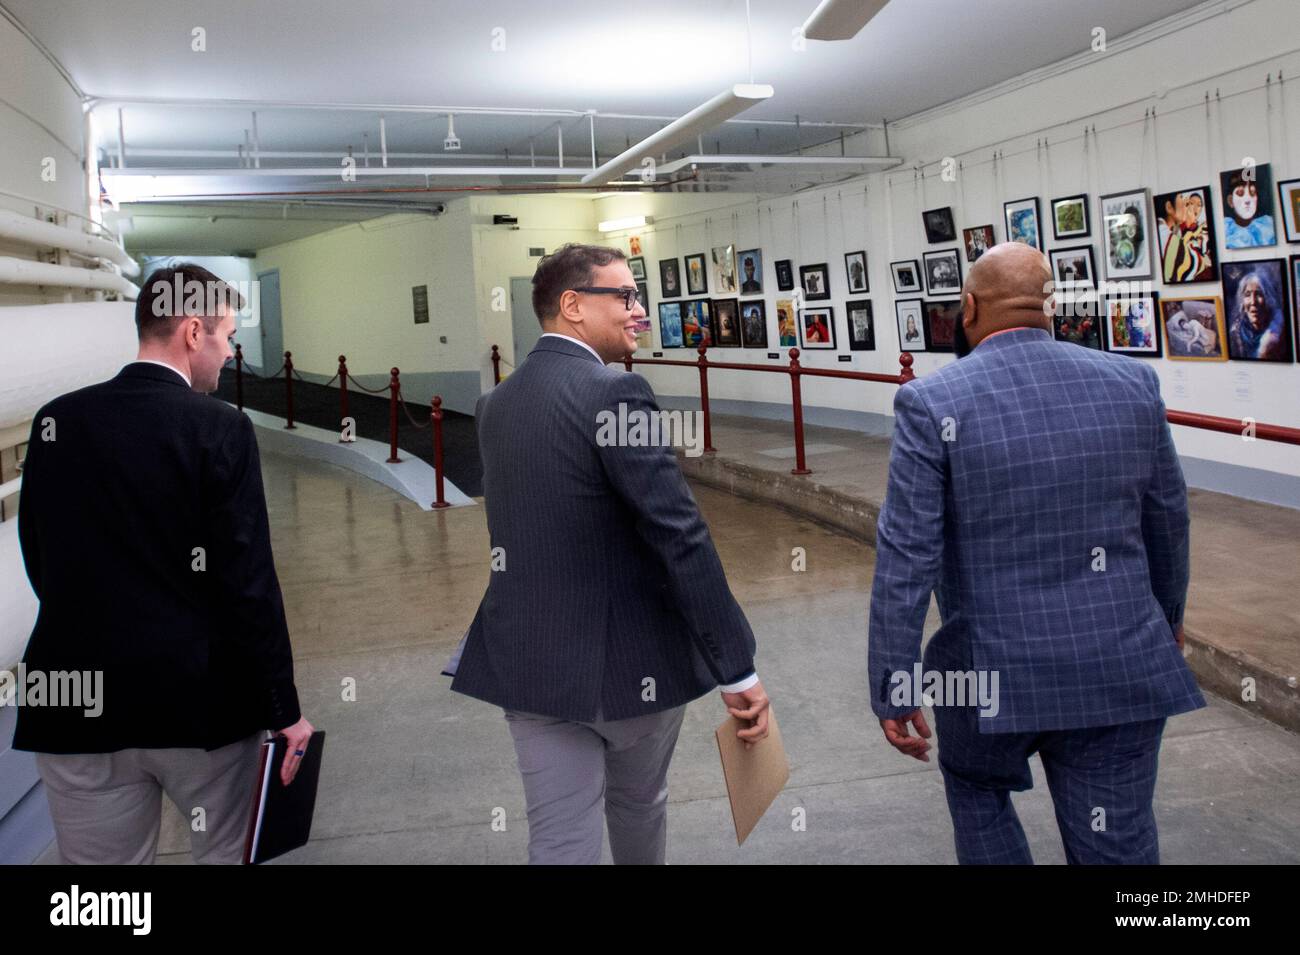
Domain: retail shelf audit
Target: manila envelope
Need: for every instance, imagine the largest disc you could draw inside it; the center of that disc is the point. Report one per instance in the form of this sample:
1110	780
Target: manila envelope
754	776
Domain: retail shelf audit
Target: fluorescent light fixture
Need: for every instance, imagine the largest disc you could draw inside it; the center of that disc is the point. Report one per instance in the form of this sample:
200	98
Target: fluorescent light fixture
627	222
840	19
698	121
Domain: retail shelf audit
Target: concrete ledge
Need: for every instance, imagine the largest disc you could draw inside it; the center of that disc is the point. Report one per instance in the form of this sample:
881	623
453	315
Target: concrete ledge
412	477
1222	672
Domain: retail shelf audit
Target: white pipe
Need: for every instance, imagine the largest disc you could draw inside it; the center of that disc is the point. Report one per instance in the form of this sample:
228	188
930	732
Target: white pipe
22	272
46	234
121	141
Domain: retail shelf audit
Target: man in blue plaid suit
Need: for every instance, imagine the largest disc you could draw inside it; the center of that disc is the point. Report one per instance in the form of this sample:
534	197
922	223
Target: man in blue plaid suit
1035	489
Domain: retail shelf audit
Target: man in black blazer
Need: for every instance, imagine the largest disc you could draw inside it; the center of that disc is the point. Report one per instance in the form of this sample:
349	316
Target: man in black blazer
607	609
144	531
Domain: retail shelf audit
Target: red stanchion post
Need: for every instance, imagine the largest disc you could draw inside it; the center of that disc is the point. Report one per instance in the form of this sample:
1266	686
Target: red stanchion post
496	365
239	376
394	386
343	392
627	362
435	415
905	361
288	390
704	399
796	394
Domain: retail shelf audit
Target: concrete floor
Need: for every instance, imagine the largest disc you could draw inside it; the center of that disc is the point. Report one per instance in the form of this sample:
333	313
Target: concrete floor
380	591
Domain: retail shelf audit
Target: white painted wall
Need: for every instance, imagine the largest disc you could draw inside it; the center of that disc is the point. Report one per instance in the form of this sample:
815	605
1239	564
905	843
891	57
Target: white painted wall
40	118
1231	51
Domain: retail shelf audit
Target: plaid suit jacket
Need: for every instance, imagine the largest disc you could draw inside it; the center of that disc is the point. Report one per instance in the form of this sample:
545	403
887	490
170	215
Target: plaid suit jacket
1035	489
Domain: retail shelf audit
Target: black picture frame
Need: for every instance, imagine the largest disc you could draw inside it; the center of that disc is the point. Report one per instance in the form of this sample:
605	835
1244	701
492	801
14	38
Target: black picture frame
1063	204
1110	316
821	282
827	327
643	295
986	240
744	285
637	264
1060	257
854	311
862	287
911	337
784	275
939	336
726	322
1205	258
1235	321
670	278
899	271
1079	319
670	325
753	323
936	260
939	225
697	278
1016	232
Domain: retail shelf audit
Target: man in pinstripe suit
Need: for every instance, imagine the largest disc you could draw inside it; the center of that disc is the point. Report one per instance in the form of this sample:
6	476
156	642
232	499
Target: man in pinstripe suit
1035	489
607	610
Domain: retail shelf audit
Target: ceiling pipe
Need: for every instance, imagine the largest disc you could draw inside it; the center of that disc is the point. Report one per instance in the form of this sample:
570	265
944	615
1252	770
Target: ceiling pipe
840	19
21	272
40	234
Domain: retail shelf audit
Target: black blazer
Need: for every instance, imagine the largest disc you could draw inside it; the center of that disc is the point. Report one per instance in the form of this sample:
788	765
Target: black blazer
141	471
610	576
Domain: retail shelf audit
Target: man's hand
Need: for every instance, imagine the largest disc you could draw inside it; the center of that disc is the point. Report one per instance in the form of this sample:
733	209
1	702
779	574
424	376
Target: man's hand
298	734
1178	636
750	706
897	736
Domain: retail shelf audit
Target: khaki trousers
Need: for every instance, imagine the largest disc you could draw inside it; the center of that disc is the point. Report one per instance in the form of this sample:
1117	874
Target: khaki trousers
107	807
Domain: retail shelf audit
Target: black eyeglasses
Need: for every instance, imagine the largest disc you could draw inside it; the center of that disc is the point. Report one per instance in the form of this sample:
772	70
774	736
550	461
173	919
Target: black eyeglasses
629	294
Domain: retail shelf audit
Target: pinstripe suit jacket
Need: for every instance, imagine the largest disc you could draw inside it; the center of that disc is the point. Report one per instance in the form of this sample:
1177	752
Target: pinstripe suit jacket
1053	451
610	576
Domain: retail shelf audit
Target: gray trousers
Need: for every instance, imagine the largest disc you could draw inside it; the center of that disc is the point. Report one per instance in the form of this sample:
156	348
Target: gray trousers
580	777
107	807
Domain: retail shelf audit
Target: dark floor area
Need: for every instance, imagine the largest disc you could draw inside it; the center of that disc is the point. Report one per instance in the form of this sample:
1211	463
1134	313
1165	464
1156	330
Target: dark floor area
319	405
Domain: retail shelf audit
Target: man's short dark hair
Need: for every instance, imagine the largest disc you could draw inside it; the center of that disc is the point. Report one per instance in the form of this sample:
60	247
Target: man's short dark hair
569	266
182	291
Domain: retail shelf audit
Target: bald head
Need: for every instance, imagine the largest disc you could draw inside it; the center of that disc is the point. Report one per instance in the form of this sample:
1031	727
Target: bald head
1006	288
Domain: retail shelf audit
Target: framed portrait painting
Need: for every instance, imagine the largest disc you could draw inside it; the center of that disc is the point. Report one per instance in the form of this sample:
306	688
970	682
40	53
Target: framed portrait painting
753	324
817	326
1248	220
751	272
726	323
862	326
910	315
1257	310
787	328
1185	236
697	283
978	241
670	278
939	226
1288	196
855	271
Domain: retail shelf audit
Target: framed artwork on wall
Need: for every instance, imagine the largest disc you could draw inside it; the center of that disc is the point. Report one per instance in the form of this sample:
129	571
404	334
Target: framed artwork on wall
1257	310
855	270
907	276
670	325
941	320
726	323
1288	195
862	325
670	278
1070	217
1133	326
697	325
1073	268
724	269
751	272
784	275
697	283
939	226
1185	236
753	324
637	265
1194	328
816	282
1078	319
1126	235
1248	220
1022	222
943	272
787	327
910	315
978	240
817	326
